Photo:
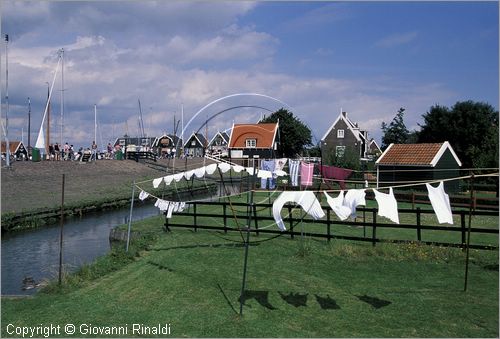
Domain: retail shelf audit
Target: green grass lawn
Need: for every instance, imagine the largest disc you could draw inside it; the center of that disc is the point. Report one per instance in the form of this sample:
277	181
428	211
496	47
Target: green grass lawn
302	287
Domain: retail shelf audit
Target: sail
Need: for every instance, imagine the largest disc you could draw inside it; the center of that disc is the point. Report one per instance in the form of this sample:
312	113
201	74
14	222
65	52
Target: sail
40	141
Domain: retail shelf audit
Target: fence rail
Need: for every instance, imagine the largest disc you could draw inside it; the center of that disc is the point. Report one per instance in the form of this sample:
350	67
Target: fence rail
223	211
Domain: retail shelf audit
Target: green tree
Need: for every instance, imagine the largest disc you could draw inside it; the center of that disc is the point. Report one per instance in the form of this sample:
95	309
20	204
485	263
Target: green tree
294	135
396	132
470	127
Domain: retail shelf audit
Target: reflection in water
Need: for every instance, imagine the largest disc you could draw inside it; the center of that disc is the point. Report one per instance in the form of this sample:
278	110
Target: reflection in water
35	253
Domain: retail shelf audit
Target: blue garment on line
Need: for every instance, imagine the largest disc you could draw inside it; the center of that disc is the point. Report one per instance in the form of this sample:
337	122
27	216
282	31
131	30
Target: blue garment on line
268	165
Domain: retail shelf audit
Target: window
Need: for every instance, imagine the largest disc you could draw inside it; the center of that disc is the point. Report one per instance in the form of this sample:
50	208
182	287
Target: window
339	151
251	143
122	142
340	133
193	143
144	142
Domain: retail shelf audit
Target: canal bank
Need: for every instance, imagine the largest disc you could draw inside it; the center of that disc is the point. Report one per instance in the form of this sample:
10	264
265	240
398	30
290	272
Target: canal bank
31	191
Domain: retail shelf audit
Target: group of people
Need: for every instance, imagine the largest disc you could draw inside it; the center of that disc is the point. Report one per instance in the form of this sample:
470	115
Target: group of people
67	152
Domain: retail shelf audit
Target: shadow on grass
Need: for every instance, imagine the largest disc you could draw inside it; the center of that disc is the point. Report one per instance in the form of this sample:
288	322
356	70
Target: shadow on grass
374	301
235	245
160	266
227	299
327	303
295	299
262	298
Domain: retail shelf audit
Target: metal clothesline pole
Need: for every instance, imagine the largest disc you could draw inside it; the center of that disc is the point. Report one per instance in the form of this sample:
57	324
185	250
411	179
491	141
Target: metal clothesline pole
130	216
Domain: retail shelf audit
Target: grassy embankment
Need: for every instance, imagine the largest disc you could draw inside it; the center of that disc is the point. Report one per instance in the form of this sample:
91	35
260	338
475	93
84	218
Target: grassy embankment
31	192
295	288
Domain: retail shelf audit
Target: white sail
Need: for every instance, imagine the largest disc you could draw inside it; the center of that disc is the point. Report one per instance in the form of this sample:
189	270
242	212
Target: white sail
40	141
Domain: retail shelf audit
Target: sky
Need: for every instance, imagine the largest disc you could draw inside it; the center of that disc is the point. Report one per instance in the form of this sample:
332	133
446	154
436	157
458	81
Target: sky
204	58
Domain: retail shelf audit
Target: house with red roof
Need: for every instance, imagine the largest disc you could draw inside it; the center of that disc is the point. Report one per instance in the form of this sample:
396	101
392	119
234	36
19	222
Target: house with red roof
250	141
402	164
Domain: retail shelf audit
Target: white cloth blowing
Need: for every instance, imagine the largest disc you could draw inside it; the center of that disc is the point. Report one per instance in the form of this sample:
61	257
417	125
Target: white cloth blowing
387	205
306	199
143	195
440	202
354	198
157	181
336	204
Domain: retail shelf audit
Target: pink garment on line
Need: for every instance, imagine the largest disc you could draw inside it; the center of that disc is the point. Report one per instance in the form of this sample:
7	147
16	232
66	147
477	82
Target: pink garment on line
306	174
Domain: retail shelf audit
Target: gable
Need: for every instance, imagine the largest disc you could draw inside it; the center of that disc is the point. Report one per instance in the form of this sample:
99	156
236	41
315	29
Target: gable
264	134
342	122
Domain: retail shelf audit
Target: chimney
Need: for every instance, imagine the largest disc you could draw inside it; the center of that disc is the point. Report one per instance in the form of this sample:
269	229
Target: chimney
344	114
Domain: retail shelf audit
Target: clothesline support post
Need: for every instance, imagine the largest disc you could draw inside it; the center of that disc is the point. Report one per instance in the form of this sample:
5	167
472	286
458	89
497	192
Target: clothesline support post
250	207
61	231
471	183
130	216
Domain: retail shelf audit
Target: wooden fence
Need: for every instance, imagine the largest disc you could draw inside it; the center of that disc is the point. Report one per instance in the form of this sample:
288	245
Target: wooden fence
331	225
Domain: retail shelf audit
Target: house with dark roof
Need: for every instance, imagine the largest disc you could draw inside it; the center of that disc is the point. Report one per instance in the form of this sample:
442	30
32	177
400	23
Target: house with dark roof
133	144
195	145
219	143
16	148
409	163
346	136
249	141
167	145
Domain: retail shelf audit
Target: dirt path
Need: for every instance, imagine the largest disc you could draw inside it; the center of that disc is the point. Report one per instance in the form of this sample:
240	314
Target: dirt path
33	185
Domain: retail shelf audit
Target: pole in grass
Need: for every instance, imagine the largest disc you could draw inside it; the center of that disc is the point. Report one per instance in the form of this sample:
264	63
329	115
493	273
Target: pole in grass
249	218
130	216
468	231
61	233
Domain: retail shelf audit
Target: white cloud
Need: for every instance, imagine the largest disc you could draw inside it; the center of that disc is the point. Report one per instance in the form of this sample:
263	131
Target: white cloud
397	39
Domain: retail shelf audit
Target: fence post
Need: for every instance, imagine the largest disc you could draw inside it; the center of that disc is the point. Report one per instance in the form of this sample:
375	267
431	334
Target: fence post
419	231
224	217
194	216
255	219
166	224
374	227
328	223
291	220
413	199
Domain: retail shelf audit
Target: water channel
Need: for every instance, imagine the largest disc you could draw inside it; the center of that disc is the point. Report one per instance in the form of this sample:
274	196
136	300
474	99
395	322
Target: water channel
35	253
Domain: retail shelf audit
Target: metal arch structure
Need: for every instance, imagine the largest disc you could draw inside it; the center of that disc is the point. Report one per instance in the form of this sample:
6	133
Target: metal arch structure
231	96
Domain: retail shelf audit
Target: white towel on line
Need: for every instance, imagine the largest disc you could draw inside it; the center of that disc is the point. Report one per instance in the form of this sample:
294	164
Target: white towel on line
263	174
200	172
168	179
157	181
210	169
440	202
178	176
143	195
387	205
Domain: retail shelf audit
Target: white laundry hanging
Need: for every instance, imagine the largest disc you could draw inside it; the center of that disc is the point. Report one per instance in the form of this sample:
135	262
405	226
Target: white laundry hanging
188	174
238	168
336	204
354	198
387	205
250	170
440	202
157	181
200	172
168	179
178	176
306	199
143	195
162	204
263	174
224	167
210	169
280	173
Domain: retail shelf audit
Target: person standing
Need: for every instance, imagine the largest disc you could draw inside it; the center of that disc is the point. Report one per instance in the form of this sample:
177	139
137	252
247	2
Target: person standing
66	151
57	151
93	151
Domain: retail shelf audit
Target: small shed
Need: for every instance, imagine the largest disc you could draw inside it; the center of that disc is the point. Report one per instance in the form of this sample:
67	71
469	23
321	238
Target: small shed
407	163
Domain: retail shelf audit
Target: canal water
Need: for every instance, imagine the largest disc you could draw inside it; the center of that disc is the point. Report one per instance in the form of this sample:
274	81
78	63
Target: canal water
35	253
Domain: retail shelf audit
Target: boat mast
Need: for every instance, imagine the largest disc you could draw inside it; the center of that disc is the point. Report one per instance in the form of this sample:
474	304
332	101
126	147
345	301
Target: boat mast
7	144
47	141
62	95
29	125
95	124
